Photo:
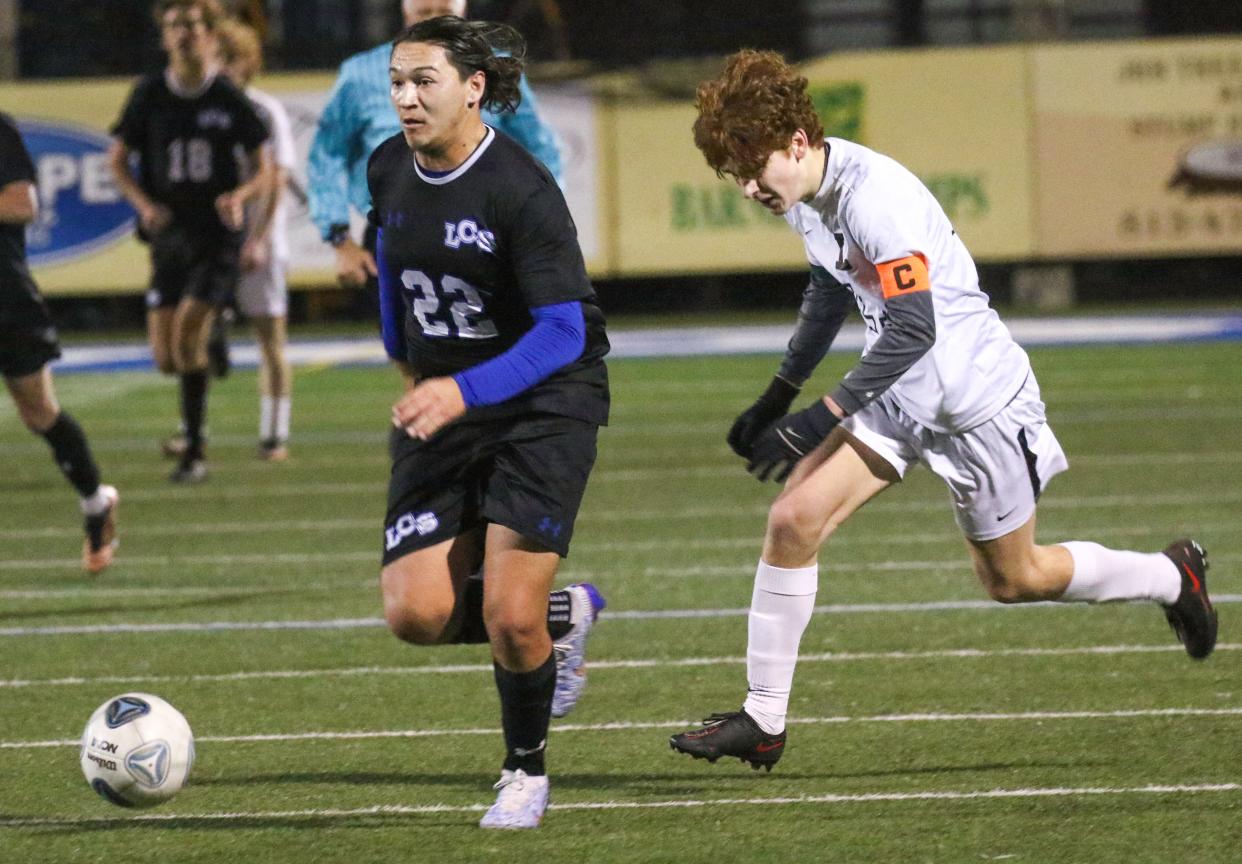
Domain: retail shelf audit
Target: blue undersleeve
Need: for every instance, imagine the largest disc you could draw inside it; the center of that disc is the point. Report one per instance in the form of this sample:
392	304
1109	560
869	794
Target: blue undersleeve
556	340
392	307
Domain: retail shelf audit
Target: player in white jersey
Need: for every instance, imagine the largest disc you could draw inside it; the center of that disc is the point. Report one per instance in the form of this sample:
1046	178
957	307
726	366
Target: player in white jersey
262	292
940	382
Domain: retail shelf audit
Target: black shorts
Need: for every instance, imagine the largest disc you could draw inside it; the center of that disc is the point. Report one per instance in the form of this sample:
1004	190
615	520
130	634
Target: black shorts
204	264
527	473
28	340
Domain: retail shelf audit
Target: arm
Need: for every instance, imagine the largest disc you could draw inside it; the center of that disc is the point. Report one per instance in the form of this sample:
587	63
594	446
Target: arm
152	215
525	125
327	165
556	339
19	203
908	333
231	206
825	304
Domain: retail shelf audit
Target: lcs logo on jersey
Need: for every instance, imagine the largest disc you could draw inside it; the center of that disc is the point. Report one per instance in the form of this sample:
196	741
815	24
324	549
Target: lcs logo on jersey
421	524
467	231
80	208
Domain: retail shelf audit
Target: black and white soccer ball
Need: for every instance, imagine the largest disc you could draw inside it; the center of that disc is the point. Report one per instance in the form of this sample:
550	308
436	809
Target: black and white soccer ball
137	750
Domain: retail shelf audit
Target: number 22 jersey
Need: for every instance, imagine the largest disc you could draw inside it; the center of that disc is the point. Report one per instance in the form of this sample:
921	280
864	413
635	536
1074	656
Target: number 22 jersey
473	250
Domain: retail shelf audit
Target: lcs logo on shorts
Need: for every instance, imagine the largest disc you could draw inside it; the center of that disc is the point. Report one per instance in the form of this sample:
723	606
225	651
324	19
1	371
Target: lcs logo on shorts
467	231
421	524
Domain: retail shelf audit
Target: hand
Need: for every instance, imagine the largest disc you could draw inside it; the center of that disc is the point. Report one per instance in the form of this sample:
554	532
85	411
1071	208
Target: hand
429	407
231	208
774	402
254	255
154	218
354	264
779	447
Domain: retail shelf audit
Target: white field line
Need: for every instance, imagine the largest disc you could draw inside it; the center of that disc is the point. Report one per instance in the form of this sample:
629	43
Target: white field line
267	559
596	806
481	668
589	806
891	503
620	615
156	528
625	726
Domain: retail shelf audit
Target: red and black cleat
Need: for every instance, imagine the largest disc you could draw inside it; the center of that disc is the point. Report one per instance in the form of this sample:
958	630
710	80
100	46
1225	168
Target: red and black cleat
731	734
1192	617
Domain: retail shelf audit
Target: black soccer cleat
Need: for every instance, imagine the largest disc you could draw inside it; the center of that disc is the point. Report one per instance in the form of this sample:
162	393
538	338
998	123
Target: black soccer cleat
734	733
1192	617
189	471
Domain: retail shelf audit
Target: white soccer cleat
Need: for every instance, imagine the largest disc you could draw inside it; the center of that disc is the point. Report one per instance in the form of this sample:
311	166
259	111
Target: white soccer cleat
570	650
521	801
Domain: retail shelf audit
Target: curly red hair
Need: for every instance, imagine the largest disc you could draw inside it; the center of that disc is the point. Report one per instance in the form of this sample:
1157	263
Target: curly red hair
751	111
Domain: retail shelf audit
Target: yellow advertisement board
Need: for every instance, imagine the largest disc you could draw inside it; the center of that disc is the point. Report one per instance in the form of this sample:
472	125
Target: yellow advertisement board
957	118
1139	148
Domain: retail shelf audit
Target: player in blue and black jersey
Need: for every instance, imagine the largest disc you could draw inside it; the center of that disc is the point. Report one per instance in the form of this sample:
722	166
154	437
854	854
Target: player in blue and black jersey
487	307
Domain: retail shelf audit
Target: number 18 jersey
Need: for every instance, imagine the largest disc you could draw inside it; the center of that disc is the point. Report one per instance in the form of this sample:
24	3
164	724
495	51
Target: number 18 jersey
473	251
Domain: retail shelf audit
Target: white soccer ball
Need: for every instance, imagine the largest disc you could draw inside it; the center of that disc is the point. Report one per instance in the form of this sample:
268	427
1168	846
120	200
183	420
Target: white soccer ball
137	750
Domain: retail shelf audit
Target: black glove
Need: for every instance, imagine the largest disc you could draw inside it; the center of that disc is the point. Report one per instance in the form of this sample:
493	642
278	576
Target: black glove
774	402
777	450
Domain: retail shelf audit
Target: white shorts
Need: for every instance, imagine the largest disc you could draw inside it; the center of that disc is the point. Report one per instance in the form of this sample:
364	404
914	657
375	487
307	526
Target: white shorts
264	292
995	471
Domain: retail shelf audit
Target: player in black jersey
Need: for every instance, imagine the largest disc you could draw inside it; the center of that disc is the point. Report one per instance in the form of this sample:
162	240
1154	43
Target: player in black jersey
175	158
487	303
28	344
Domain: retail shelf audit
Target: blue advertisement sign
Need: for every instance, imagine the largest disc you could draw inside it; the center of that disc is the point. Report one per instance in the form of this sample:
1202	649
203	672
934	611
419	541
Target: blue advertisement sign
80	208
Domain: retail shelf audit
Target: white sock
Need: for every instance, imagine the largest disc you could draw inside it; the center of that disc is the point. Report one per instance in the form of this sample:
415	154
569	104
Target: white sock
267	417
93	505
780	609
1104	575
283	406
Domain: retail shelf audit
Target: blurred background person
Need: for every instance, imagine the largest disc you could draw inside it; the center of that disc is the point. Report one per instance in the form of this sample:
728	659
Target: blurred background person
28	344
262	292
173	158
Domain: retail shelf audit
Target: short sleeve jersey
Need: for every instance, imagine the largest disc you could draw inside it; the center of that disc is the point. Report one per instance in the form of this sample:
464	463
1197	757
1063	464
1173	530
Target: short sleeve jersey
871	210
284	155
190	146
474	250
15	167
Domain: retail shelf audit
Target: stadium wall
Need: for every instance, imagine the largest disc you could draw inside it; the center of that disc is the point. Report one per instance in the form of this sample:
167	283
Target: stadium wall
1038	153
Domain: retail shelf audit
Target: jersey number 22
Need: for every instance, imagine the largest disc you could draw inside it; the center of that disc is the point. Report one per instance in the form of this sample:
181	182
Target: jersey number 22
448	307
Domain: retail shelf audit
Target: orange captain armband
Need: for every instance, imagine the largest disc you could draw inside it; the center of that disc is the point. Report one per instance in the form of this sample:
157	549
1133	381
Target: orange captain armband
903	276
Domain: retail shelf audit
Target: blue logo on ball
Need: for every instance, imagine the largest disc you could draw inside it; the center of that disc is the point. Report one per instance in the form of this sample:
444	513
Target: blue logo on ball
80	208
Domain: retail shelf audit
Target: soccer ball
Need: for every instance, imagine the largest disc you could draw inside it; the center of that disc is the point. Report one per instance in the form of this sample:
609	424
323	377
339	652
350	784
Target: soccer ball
137	750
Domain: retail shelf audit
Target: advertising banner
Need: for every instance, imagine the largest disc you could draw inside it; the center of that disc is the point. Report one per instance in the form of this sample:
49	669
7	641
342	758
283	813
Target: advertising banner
83	241
1139	148
956	118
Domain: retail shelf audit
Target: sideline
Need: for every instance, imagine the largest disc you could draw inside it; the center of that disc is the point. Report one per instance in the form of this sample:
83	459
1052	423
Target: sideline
701	341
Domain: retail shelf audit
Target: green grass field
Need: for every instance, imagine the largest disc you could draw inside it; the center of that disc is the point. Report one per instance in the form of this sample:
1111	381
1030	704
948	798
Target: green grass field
929	726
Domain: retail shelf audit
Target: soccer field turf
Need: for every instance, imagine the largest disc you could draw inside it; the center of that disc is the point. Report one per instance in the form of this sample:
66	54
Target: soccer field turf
928	724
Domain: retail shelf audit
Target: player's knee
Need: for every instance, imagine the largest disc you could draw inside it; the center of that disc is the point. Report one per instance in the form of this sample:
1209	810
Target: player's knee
794	525
37	417
418	622
513	632
1011	585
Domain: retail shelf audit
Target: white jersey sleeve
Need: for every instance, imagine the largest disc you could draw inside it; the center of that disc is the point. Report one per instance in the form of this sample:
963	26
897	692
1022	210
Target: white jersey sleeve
284	155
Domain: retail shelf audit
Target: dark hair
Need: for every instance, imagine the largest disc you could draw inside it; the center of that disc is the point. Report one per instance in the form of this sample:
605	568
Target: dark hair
496	50
751	111
210	9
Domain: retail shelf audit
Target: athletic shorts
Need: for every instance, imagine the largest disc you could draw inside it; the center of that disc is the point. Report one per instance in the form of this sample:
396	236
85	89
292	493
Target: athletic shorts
995	471
193	262
28	339
264	293
527	473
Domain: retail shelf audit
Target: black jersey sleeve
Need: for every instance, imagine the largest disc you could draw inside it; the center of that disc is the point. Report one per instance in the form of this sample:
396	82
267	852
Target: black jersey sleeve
15	161
130	126
251	130
547	261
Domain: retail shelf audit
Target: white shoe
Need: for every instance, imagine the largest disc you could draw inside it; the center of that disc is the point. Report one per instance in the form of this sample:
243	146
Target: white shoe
585	602
521	801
